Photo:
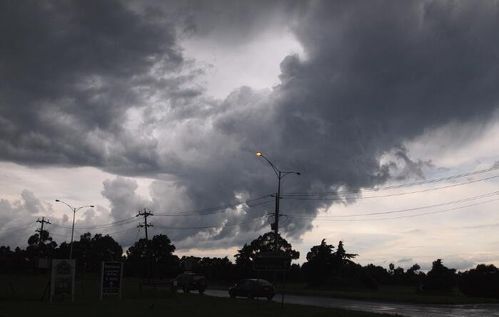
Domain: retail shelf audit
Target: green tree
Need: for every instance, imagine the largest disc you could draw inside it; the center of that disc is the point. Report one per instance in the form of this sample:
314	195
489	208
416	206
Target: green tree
263	244
319	263
440	277
153	257
40	245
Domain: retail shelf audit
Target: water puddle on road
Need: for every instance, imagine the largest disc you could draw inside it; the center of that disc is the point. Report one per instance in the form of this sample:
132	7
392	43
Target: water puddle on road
409	310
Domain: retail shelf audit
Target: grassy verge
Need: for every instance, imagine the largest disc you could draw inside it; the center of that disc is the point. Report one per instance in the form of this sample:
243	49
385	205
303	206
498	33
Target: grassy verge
392	294
21	296
178	305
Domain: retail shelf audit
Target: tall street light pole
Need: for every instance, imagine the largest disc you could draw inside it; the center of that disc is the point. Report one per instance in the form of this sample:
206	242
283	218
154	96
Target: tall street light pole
74	210
280	175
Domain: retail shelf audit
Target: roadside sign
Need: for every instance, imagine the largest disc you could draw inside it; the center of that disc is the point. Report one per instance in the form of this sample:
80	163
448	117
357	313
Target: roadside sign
272	262
111	278
62	281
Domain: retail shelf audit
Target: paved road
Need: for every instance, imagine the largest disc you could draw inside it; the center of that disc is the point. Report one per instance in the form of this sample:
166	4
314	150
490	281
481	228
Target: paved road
410	310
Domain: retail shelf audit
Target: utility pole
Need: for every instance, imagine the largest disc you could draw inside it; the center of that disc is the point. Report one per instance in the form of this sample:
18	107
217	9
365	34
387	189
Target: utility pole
42	222
280	175
144	213
276	219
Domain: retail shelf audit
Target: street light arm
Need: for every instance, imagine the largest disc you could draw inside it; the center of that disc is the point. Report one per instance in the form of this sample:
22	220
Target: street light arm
74	210
276	170
89	206
289	172
65	203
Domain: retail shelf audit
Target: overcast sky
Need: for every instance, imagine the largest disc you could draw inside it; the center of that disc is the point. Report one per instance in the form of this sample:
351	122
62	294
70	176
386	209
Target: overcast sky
388	109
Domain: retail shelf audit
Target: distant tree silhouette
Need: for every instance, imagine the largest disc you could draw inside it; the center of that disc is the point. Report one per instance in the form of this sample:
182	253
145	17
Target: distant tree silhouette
378	273
263	244
324	266
154	257
414	276
40	245
482	281
342	256
90	251
440	277
218	269
320	263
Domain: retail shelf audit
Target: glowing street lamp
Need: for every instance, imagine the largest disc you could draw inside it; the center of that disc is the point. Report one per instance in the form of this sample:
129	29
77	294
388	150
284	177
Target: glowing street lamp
280	175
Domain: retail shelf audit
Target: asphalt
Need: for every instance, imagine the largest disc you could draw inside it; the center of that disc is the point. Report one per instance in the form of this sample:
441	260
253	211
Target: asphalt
409	310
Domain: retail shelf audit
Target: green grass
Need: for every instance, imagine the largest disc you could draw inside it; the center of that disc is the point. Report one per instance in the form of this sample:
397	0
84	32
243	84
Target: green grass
179	305
391	294
21	296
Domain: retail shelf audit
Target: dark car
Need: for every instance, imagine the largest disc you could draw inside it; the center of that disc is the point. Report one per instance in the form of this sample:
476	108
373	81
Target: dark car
191	281
252	288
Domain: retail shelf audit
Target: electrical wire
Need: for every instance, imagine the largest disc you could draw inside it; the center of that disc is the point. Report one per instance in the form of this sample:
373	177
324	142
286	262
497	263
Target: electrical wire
297	196
207	227
414	208
213	210
404	216
102	226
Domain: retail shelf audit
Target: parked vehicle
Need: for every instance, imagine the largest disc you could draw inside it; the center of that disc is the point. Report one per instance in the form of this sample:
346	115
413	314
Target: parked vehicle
252	288
191	281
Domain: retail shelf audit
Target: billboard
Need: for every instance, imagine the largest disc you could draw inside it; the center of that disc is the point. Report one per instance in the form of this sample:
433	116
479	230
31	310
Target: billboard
111	278
62	279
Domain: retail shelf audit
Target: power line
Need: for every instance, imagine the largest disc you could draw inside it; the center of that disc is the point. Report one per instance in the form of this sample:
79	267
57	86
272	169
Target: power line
415	208
23	226
208	227
214	211
404	216
298	196
440	179
102	226
217	209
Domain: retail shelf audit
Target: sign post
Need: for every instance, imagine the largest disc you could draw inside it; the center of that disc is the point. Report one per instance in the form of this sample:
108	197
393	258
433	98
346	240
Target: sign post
111	279
272	262
62	281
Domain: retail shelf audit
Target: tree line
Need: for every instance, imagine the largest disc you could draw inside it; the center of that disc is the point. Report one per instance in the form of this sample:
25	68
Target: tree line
326	267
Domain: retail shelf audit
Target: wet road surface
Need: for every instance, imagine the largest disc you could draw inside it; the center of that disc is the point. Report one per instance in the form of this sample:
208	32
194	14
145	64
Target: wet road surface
410	310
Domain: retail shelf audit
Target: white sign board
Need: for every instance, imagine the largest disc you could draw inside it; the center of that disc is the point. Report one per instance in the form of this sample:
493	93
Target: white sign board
62	281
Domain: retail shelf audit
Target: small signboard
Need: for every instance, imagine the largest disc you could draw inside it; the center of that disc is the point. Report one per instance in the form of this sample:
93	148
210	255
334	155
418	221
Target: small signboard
272	262
111	278
62	281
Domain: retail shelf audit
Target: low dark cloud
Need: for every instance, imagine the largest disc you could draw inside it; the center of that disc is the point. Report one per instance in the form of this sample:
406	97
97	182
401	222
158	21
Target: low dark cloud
102	84
70	71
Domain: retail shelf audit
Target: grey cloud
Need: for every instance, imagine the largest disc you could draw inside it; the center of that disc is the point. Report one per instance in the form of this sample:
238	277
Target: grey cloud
31	203
121	193
70	71
17	218
376	74
405	260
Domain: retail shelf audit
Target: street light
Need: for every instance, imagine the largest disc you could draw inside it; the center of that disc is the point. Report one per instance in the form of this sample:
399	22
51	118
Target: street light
74	209
280	175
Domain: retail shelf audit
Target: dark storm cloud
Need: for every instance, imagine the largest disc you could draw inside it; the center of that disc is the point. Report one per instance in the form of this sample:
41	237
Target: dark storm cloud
376	74
69	71
379	73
